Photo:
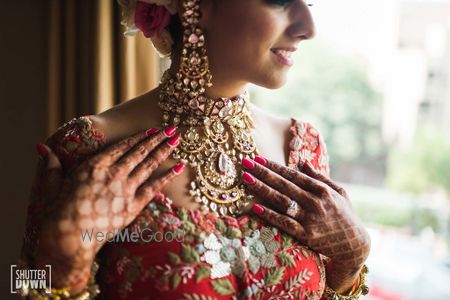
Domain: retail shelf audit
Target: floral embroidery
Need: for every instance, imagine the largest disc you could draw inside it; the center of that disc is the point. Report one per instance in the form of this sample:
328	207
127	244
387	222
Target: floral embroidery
233	247
224	258
307	145
72	142
75	140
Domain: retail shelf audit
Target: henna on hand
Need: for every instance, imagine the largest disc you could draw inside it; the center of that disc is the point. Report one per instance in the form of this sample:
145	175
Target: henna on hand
278	200
268	182
332	228
103	194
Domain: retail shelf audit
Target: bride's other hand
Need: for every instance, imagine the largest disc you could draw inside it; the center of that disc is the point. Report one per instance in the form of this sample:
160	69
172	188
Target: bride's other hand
314	210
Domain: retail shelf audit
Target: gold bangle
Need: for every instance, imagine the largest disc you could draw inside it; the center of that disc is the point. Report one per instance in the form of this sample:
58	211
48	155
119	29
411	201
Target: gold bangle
90	292
361	290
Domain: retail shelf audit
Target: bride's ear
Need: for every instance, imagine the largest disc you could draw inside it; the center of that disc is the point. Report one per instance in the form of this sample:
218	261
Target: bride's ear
207	9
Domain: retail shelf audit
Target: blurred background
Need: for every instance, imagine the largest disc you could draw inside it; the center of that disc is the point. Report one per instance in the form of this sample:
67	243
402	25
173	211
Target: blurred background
375	81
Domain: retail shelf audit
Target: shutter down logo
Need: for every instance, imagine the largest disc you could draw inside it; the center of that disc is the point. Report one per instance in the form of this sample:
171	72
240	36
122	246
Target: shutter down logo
26	279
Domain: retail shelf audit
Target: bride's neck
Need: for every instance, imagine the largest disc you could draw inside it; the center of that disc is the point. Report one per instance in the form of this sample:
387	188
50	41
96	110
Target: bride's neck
222	86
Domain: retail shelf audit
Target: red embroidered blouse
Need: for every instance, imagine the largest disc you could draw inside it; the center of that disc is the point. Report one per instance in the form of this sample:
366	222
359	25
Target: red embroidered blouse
188	255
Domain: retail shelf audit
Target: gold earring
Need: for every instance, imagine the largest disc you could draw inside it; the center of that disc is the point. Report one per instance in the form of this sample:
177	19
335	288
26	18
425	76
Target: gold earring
218	131
193	75
194	70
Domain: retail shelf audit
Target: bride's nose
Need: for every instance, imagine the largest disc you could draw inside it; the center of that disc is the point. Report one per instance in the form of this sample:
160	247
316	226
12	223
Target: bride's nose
302	24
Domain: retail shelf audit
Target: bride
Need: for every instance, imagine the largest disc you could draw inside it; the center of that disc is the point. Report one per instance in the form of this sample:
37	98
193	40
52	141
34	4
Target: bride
246	193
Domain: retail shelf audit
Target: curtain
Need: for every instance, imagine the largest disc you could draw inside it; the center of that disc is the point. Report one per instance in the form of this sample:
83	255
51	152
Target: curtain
91	65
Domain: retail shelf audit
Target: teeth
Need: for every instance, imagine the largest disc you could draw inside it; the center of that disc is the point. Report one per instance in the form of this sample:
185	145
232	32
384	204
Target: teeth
284	53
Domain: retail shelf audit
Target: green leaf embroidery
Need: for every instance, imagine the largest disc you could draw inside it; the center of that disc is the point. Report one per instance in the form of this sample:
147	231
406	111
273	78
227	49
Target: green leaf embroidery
174	258
175	281
182	214
71	146
188	238
202	272
305	253
247	232
274	276
296	281
223	286
233	233
286	259
189	255
253	224
189	227
220	225
200	238
286	241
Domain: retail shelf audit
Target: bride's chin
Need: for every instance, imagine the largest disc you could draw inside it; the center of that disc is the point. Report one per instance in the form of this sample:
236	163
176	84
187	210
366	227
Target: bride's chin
273	83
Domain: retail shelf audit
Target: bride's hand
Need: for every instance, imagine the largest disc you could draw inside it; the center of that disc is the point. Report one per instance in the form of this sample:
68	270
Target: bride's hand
104	194
313	209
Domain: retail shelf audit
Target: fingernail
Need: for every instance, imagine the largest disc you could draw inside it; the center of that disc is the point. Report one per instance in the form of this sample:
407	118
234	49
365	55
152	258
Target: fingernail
249	179
42	152
170	130
179	168
260	160
257	209
174	141
152	131
247	163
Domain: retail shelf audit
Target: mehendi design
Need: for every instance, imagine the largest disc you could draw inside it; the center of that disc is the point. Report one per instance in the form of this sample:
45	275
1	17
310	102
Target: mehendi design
98	196
331	228
275	265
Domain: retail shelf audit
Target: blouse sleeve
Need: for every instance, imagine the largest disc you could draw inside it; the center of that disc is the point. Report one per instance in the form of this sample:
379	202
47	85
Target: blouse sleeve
307	145
73	142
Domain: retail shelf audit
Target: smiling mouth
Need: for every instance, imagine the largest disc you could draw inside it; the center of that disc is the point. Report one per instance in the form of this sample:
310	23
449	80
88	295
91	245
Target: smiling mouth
283	56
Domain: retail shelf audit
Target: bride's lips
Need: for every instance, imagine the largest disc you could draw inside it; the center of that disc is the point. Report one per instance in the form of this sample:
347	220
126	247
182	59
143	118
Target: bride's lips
283	55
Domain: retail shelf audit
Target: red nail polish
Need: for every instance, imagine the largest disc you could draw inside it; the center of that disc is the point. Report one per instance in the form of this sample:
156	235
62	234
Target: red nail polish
247	163
152	131
260	160
42	152
174	141
249	179
158	196
179	168
257	209
170	130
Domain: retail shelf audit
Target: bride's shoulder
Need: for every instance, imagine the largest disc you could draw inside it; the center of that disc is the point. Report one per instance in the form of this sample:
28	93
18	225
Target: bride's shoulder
127	118
83	136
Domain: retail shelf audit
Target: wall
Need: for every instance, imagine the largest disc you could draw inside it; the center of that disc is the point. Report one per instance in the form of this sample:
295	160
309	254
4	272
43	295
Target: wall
23	114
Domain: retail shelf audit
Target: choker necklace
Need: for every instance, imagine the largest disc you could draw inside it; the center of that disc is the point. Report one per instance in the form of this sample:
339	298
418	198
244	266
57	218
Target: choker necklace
217	137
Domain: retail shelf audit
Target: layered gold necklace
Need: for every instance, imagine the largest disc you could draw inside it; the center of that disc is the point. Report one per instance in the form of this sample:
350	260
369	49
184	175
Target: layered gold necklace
217	137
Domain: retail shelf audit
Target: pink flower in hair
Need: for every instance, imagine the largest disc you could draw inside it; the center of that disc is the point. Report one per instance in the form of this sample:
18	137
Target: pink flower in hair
171	5
151	19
